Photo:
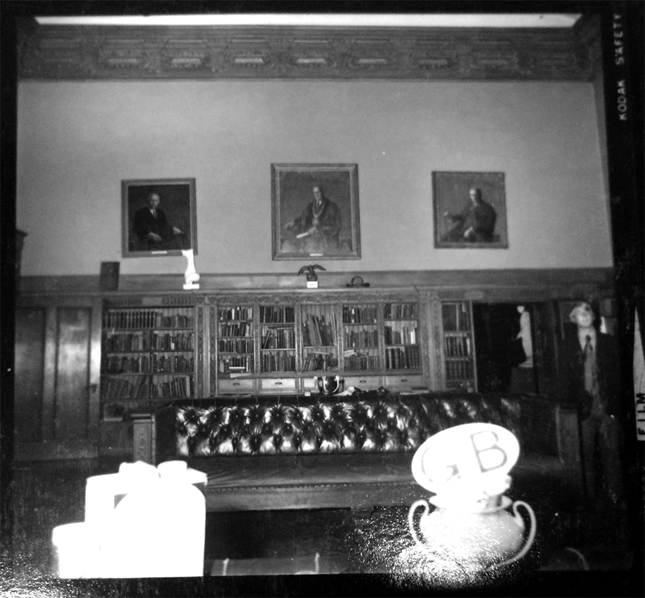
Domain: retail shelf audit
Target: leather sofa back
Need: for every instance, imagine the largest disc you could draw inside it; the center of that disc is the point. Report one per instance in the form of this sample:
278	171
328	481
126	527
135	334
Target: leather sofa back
367	421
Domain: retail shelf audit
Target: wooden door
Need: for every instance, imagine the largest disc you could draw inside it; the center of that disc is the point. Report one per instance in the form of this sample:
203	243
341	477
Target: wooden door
56	380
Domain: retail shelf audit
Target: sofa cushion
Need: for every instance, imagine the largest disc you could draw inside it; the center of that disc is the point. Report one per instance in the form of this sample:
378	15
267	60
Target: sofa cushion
367	422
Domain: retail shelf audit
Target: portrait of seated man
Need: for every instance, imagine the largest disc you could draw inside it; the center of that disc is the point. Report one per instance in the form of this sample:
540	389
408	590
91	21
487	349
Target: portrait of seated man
317	229
151	230
474	224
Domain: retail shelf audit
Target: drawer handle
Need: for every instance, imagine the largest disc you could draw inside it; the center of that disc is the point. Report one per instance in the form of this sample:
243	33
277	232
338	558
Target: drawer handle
362	381
236	383
278	383
404	379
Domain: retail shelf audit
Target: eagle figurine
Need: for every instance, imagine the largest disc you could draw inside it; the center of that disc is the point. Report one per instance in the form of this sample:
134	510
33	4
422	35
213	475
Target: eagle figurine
311	271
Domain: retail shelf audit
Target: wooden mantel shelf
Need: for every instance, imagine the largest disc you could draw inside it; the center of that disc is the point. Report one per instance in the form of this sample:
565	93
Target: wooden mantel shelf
522	284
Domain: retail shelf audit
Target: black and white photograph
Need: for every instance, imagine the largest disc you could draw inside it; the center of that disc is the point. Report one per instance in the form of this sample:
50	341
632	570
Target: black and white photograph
407	358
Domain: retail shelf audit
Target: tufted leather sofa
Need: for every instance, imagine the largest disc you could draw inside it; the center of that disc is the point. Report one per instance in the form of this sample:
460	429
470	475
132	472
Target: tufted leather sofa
290	452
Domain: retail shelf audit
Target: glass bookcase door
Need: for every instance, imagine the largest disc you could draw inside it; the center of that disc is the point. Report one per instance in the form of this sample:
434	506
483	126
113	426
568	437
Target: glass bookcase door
319	338
458	345
277	338
146	354
235	354
401	336
172	355
360	338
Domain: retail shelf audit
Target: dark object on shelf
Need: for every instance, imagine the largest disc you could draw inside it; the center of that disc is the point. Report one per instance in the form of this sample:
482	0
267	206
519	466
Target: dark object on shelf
109	280
357	281
329	385
311	271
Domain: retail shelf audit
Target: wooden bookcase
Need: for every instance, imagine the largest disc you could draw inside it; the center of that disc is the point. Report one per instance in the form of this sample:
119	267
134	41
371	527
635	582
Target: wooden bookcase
276	343
147	355
458	345
280	343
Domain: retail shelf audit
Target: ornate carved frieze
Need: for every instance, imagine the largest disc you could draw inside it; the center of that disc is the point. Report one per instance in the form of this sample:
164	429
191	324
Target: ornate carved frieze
67	52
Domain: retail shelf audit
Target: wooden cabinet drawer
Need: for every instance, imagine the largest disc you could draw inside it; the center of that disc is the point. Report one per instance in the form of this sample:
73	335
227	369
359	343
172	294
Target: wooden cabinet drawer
233	385
363	382
278	384
404	381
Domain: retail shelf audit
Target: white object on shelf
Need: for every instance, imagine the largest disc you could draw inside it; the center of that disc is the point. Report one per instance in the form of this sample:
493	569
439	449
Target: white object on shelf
144	521
190	276
77	551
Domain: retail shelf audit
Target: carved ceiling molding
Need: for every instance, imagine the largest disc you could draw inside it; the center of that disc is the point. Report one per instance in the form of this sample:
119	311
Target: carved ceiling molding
135	53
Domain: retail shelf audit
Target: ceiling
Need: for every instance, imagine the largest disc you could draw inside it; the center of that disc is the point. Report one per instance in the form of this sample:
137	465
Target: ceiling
520	20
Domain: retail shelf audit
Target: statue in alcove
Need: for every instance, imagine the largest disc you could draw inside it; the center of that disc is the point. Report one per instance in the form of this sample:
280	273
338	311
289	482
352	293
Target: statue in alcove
524	335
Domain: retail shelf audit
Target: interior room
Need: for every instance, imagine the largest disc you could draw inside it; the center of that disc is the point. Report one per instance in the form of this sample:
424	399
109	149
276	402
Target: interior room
297	259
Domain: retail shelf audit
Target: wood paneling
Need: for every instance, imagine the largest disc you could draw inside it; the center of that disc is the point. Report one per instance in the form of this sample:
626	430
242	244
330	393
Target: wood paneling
29	374
57	369
71	408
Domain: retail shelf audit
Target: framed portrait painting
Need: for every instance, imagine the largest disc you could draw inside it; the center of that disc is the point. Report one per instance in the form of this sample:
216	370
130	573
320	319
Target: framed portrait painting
159	217
469	209
315	211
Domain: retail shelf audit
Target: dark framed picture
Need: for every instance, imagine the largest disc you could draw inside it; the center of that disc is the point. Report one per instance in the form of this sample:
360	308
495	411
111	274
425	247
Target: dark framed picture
469	209
315	211
159	217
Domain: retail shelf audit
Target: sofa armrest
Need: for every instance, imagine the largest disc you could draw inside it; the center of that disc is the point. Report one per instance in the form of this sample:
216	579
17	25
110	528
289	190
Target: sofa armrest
538	426
551	428
165	437
568	427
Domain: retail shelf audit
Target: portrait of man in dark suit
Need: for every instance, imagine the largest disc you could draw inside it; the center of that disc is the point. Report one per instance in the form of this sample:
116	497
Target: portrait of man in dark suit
159	219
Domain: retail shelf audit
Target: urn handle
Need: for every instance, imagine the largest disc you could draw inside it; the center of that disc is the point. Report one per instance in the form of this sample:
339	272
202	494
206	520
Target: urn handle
422	502
520	523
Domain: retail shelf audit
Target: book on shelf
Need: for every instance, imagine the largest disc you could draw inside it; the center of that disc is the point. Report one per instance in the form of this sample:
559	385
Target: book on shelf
235	313
353	314
402	358
400	311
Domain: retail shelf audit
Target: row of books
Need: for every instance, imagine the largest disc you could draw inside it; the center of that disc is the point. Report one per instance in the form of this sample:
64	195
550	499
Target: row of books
171	342
146	318
320	361
242	363
402	358
149	342
279	361
226	314
456	316
457	346
275	314
141	388
361	338
359	315
237	329
279	338
459	370
232	345
316	331
400	335
361	362
400	311
145	364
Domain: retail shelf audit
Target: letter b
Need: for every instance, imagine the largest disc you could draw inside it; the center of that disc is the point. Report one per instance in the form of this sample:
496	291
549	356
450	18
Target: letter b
489	454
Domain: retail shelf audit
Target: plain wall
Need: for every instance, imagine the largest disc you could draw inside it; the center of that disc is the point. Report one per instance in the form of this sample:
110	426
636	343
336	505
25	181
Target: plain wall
78	140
